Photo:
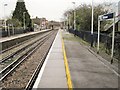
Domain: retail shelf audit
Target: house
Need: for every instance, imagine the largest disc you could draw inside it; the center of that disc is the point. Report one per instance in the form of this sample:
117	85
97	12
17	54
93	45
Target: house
41	23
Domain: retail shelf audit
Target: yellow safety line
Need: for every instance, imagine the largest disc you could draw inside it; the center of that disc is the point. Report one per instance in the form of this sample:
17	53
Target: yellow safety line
69	82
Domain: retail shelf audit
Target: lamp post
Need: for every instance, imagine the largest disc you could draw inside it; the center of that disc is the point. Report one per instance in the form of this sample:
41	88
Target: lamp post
32	22
92	25
5	17
74	16
64	24
8	30
68	23
13	29
24	19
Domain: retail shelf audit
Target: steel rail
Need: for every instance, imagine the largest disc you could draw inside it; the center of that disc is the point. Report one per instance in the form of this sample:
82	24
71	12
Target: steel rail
13	54
6	71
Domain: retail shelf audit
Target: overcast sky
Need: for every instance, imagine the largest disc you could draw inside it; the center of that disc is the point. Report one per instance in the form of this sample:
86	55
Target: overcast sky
50	9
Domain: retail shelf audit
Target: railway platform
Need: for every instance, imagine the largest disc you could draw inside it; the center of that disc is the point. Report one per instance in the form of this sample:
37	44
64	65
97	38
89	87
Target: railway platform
87	70
52	74
4	39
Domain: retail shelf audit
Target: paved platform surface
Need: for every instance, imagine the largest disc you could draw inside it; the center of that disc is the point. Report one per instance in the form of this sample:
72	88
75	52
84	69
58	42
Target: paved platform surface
3	39
52	74
86	70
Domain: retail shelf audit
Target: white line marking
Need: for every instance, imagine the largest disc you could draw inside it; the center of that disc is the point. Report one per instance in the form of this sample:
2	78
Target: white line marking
43	67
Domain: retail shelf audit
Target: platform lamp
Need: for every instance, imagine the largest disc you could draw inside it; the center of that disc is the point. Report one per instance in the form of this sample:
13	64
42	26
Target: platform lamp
5	5
74	16
24	20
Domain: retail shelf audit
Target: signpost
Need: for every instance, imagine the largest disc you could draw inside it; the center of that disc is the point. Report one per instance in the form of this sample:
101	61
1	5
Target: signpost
102	18
113	38
98	41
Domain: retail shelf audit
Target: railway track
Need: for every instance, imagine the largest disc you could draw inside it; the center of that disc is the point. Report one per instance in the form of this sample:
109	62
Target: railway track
16	45
20	43
12	51
21	55
36	72
24	74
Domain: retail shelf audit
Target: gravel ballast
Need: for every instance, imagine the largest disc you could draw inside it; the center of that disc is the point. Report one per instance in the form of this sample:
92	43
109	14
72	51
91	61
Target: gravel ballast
22	74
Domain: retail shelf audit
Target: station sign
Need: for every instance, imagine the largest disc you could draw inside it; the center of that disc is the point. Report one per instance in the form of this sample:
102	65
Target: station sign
108	16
